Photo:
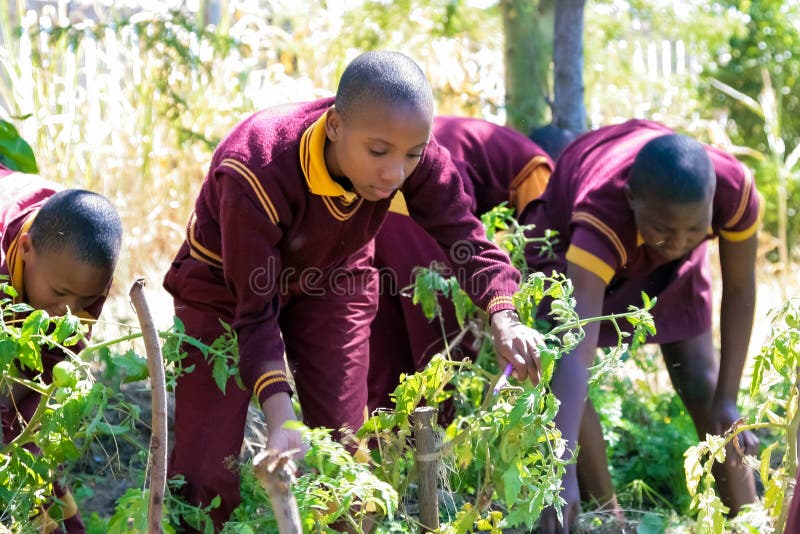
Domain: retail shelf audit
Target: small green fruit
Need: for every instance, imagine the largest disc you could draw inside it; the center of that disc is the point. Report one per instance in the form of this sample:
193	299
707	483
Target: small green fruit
61	395
64	375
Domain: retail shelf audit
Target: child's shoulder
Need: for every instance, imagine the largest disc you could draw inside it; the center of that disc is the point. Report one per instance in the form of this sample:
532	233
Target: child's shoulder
266	134
17	188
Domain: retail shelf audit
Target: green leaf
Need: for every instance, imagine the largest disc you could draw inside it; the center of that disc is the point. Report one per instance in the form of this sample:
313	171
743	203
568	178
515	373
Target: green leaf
651	524
8	350
29	354
513	484
131	366
15	153
220	373
35	323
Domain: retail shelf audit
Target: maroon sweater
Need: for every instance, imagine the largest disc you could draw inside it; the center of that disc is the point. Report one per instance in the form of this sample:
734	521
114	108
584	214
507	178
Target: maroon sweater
490	158
268	213
585	202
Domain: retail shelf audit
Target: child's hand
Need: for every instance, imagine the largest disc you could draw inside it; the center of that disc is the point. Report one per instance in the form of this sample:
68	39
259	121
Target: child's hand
287	439
724	413
548	521
278	410
516	344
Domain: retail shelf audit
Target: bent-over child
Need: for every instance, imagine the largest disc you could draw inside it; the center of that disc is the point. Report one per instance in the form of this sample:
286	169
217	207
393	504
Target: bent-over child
280	246
634	205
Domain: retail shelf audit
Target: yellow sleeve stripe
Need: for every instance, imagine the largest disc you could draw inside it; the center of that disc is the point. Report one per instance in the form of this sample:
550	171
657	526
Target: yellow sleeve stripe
197	250
261	195
605	230
590	262
742	235
203	259
499	300
44	522
268	378
528	169
748	186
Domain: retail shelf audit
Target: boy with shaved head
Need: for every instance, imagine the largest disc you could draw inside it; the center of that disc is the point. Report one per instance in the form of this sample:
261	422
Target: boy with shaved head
634	205
279	246
59	249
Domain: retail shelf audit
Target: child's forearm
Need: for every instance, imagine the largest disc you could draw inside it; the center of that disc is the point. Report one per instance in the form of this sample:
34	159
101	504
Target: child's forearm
570	386
277	410
736	323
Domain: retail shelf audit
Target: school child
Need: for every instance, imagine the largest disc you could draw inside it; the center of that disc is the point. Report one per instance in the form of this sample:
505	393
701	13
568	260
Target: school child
59	249
634	205
496	164
279	246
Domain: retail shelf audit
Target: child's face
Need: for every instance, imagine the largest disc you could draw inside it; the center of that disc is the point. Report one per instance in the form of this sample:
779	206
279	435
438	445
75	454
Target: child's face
377	147
55	280
671	229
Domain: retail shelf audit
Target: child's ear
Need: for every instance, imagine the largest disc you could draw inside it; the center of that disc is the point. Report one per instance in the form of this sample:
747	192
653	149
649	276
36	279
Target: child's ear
333	123
26	244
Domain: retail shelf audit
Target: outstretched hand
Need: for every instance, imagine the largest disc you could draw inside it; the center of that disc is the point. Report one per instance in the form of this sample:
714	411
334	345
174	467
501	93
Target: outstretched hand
517	344
724	414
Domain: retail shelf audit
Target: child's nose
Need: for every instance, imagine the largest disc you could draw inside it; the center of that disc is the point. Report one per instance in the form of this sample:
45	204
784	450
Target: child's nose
394	173
678	240
75	306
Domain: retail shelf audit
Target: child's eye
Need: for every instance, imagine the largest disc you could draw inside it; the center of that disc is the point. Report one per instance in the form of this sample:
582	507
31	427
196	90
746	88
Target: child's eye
377	152
414	156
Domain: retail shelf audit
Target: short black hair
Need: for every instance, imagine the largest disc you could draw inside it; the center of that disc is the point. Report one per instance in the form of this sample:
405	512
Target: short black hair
384	77
85	222
552	139
674	167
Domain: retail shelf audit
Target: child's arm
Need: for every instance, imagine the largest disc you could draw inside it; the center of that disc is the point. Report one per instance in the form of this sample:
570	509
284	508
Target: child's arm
278	410
570	386
737	266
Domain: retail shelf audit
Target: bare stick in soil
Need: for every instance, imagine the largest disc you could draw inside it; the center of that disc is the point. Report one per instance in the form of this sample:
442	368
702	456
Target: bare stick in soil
158	438
427	460
275	472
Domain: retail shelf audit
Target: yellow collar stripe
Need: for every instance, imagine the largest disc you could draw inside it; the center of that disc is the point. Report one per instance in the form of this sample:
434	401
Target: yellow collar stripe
14	258
312	160
398	204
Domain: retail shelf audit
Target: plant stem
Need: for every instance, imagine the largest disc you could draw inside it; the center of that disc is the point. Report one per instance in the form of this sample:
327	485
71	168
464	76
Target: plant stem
33	423
158	437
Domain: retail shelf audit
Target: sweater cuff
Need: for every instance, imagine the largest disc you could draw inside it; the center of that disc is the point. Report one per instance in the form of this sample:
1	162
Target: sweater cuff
500	303
270	383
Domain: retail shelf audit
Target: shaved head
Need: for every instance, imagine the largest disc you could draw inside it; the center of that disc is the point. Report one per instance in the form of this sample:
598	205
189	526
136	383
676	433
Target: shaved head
384	78
83	222
673	167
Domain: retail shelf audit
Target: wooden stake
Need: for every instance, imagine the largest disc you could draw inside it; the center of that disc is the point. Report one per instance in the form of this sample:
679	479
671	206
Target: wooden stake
158	388
427	461
275	472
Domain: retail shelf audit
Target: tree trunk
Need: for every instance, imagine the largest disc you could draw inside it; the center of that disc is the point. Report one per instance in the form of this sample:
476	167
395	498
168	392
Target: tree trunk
569	111
528	40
